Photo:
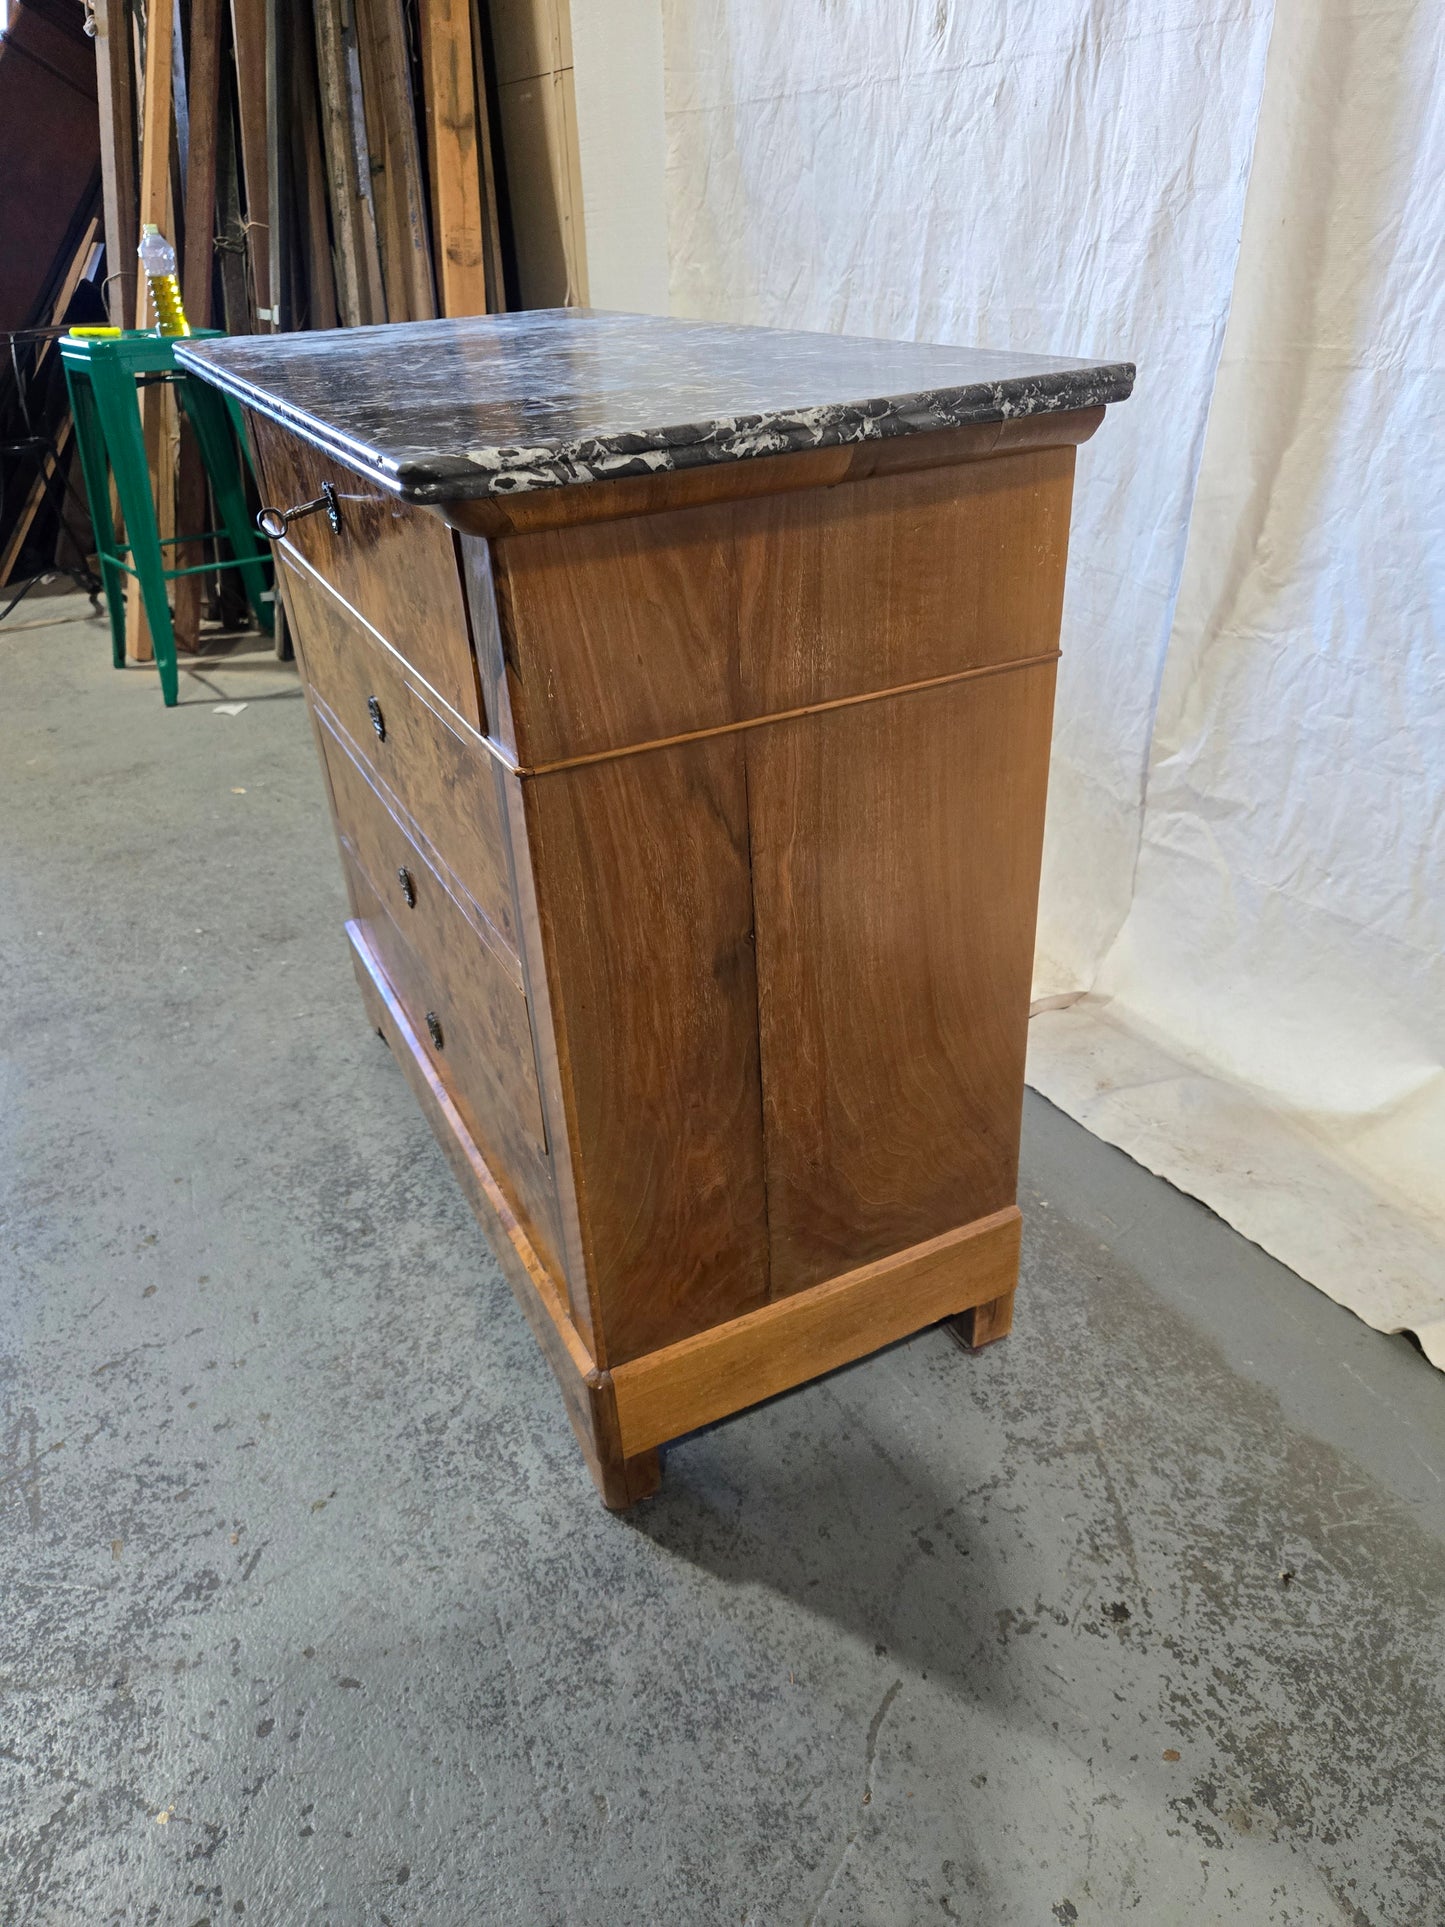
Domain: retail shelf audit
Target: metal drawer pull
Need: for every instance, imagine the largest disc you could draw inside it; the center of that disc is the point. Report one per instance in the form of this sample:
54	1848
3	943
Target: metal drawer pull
275	522
434	1028
378	721
408	887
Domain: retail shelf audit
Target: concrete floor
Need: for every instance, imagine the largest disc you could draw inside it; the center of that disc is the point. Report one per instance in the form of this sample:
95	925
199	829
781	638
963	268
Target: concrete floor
308	1612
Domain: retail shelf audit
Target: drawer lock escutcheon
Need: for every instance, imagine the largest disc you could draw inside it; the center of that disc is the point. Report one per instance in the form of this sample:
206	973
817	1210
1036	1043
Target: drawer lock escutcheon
378	721
408	887
434	1029
274	523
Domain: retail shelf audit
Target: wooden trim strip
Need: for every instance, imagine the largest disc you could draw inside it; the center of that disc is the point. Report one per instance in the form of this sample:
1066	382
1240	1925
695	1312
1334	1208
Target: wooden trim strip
780	715
705	1378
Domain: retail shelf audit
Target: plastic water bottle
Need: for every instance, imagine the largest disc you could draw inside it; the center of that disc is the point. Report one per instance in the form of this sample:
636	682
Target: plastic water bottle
158	259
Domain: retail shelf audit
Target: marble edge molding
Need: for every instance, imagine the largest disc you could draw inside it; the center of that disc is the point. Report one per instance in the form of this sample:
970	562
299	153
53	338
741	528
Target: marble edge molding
522	468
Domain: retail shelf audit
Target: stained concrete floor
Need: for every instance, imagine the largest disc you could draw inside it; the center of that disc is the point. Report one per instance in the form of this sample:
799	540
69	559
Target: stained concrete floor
309	1613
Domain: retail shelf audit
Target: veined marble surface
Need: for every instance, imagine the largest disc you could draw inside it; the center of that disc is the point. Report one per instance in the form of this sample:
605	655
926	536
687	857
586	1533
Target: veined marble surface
498	404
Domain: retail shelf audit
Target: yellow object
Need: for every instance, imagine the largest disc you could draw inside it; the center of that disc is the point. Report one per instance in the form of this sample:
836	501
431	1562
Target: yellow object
158	258
96	334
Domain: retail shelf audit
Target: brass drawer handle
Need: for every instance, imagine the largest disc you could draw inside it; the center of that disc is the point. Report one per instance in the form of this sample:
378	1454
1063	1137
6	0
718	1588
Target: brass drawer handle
378	721
434	1029
408	887
275	522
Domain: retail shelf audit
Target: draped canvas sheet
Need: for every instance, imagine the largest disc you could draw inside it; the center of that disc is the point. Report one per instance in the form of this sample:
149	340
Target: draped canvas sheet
1243	859
1286	935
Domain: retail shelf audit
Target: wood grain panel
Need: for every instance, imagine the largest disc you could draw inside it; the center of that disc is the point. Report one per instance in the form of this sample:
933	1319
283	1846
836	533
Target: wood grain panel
785	1344
633	631
441	776
484	1054
619	633
641	870
437	928
895	858
395	564
901	578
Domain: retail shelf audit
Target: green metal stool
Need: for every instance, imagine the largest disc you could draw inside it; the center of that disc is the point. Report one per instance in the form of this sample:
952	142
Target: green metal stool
101	373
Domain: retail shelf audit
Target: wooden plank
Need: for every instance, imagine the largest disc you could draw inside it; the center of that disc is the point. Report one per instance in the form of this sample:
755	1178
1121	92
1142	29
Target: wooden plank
315	243
449	86
389	239
248	36
738	1364
895	862
278	15
486	134
197	268
355	248
155	135
203	87
641	877
411	289
154	206
539	134
235	316
365	192
116	92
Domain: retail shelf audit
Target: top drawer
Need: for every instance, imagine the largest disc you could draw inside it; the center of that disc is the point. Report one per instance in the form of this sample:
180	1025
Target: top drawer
392	564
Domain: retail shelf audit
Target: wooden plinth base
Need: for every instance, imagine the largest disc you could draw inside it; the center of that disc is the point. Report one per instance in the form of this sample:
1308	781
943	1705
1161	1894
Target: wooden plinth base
982	1325
623	1415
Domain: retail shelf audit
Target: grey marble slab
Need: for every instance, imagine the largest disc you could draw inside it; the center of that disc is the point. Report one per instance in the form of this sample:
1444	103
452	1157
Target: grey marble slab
498	404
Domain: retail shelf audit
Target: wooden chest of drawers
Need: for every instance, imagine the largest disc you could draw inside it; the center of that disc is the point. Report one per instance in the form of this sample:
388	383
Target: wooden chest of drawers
690	787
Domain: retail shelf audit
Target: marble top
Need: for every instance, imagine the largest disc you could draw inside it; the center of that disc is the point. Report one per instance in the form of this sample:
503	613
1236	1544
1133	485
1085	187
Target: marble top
498	404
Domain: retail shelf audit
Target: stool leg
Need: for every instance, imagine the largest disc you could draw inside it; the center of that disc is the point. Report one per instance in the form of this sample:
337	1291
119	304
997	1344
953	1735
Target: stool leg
96	470
213	433
115	399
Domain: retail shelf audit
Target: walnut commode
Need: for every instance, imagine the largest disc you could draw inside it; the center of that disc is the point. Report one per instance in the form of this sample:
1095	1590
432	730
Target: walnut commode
684	694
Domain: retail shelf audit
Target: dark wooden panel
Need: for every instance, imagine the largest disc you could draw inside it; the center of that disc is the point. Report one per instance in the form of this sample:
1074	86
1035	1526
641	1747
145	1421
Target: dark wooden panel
641	869
443	779
900	579
895	854
622	632
394	564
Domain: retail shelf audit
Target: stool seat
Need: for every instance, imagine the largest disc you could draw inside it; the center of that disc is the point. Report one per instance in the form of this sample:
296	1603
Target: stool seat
101	373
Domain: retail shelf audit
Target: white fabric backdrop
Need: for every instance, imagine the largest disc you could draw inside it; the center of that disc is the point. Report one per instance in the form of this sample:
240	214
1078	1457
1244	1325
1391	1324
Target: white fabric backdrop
1243	866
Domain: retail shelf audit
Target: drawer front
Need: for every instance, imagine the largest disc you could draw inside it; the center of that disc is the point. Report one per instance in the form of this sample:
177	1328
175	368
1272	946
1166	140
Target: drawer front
444	781
470	1017
394	565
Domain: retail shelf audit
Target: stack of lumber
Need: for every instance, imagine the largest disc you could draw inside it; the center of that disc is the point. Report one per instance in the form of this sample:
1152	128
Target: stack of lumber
317	163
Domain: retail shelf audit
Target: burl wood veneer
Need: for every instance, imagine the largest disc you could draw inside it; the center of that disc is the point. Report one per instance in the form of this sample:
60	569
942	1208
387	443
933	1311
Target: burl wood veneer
690	788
